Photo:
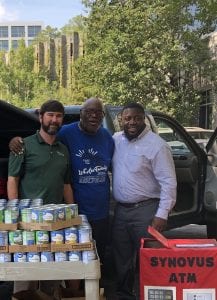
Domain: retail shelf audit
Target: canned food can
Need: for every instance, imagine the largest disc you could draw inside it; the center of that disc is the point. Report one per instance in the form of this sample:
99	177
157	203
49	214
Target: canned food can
60	256
71	235
19	257
15	237
28	237
68	212
36	215
74	255
57	236
60	213
26	215
88	256
3	238
12	202
47	256
33	257
11	215
36	202
3	202
84	234
2	214
42	237
48	215
24	203
5	257
74	210
84	219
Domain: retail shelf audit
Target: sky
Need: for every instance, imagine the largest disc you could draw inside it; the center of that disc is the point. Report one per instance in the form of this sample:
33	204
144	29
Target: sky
55	13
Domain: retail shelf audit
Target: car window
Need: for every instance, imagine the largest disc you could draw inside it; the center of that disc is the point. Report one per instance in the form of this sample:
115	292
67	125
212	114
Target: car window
173	138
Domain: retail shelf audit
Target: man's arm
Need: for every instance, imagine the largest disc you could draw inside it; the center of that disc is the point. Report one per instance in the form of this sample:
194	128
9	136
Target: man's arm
16	145
12	187
68	194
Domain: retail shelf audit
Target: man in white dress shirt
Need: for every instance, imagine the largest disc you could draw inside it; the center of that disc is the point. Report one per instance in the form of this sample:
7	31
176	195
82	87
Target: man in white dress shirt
144	186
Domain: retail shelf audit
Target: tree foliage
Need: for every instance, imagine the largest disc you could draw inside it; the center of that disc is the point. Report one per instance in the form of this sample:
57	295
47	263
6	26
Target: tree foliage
148	51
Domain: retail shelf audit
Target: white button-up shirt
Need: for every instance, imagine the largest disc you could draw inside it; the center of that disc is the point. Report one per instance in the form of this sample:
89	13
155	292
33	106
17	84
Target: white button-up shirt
143	168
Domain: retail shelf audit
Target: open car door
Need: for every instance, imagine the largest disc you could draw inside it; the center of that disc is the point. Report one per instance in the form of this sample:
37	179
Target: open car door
190	164
210	196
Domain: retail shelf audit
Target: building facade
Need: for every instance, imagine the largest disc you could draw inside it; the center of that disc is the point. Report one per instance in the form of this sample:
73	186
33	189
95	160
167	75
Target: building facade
12	32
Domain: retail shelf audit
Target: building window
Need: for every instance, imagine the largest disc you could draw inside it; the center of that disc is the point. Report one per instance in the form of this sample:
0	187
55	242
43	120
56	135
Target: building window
33	31
14	44
17	31
3	31
4	45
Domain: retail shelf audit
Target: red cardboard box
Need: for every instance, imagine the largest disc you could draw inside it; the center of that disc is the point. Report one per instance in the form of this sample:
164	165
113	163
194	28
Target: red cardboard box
178	269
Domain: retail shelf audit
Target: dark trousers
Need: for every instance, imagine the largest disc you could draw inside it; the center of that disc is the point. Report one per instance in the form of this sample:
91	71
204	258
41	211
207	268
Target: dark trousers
130	225
100	229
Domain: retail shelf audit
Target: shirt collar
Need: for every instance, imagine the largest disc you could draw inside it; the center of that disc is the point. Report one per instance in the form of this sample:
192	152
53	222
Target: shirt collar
41	140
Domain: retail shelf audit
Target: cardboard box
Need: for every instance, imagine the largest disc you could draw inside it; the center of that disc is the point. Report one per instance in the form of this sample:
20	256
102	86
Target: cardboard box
178	269
30	248
3	249
72	247
50	226
4	226
48	247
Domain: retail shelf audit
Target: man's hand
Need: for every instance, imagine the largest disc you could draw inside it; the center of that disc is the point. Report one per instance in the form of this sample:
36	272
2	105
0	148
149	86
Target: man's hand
16	145
159	224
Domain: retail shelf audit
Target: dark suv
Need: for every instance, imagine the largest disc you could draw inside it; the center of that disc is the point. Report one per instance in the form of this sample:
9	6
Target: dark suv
196	168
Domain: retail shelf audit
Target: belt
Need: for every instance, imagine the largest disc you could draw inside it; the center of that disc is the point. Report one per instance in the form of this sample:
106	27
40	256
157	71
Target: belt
136	204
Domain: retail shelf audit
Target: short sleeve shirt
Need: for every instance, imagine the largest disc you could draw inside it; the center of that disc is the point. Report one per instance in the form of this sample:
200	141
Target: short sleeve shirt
43	169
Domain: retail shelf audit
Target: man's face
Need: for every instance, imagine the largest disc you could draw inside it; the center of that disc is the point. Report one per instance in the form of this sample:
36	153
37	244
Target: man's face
51	122
132	122
91	117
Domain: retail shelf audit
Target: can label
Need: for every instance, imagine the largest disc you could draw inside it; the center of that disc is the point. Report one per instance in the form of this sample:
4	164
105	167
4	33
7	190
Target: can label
5	257
60	256
57	236
60	213
33	257
36	215
84	234
48	215
88	256
3	238
42	237
19	257
74	210
26	215
71	235
74	255
2	214
28	237
15	237
47	256
11	215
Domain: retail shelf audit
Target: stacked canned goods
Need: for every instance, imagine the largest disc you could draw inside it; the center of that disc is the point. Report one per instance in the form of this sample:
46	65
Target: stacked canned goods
33	210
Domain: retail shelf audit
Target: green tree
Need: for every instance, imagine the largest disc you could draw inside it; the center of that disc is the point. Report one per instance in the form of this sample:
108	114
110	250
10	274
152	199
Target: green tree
148	51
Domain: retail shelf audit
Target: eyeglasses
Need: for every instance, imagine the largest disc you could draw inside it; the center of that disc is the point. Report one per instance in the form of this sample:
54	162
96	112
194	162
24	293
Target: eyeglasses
90	112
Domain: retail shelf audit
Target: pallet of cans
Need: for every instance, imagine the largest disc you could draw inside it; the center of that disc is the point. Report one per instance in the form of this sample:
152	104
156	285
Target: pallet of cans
49	217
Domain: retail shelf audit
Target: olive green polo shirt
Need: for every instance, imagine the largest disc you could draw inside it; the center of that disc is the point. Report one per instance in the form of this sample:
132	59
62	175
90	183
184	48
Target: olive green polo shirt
43	169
